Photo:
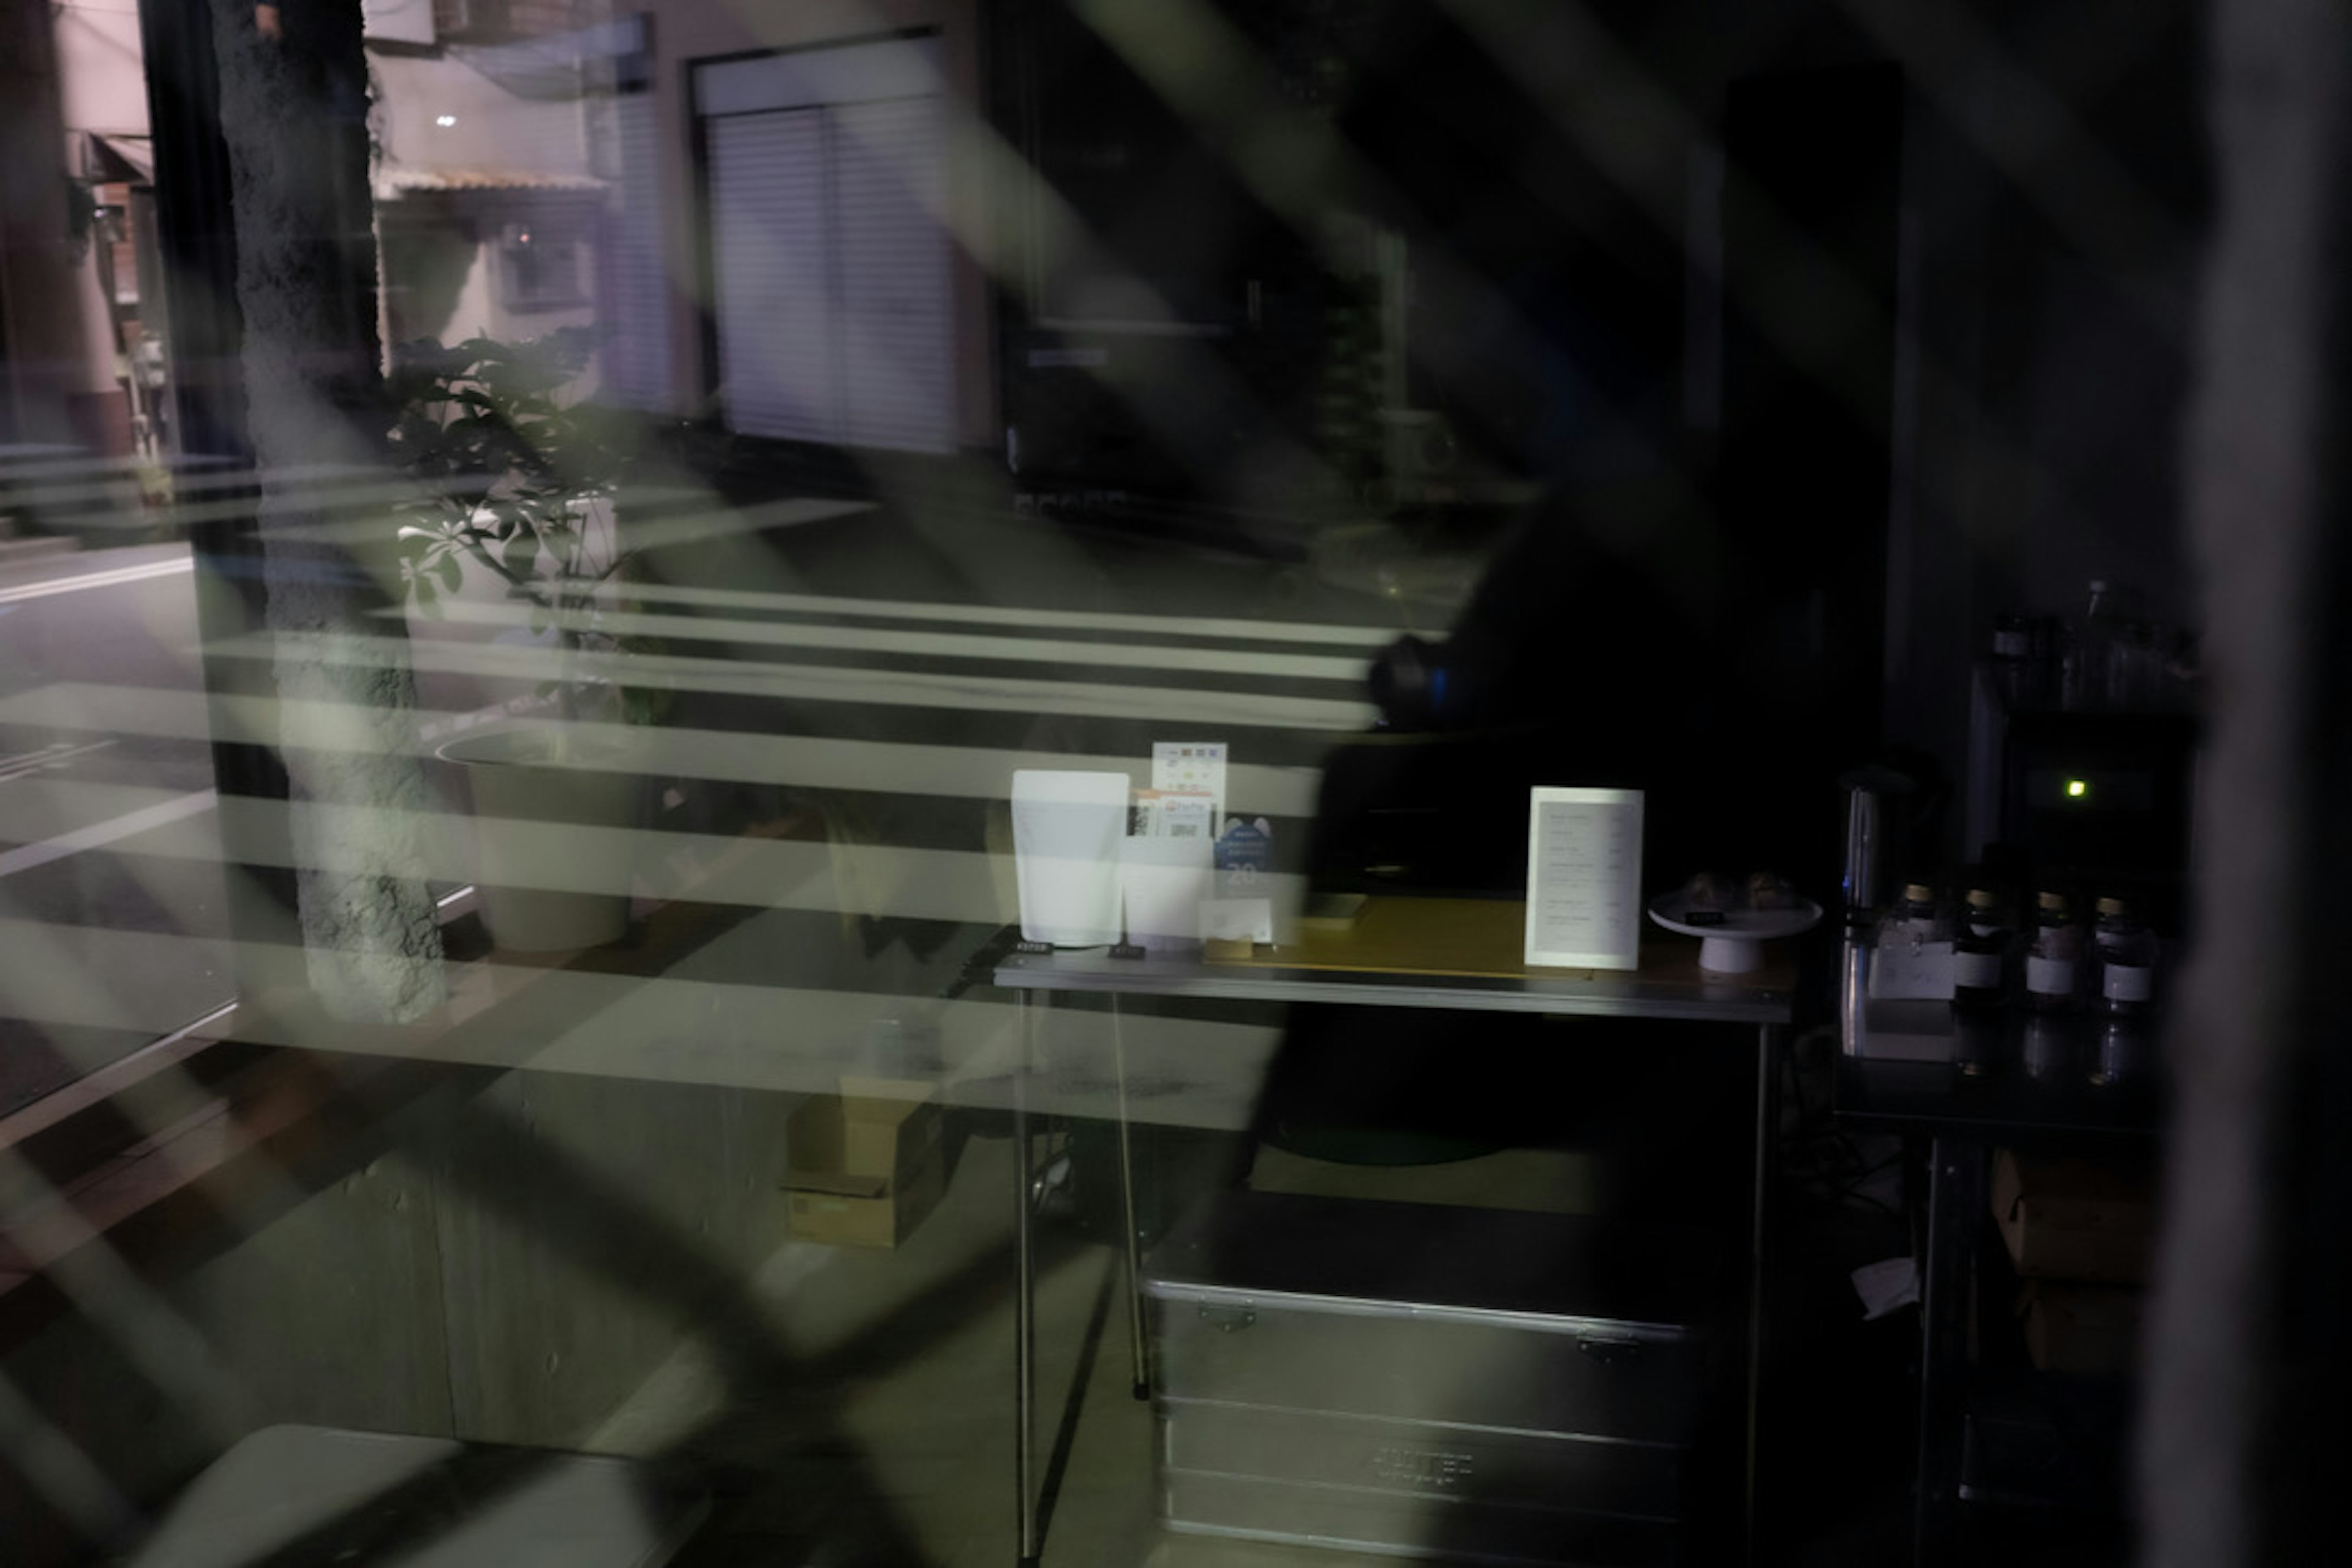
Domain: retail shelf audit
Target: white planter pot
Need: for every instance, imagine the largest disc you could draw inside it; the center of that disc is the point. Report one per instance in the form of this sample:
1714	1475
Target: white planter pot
555	842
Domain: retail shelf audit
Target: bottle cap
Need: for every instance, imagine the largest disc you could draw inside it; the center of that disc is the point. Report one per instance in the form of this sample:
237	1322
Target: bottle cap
2051	901
1982	897
2113	907
1919	892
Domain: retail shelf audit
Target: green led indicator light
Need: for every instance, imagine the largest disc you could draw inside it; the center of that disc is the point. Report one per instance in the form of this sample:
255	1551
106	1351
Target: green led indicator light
2076	789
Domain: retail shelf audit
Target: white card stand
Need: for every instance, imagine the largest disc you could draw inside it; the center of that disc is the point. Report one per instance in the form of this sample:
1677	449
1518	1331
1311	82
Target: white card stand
1163	881
1584	879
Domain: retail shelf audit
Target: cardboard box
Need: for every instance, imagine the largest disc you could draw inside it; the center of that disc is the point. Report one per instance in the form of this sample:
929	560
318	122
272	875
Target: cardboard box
2075	1219
865	1166
2090	1329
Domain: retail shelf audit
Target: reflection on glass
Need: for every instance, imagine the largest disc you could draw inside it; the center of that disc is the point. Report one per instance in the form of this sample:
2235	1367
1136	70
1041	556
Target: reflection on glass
744	493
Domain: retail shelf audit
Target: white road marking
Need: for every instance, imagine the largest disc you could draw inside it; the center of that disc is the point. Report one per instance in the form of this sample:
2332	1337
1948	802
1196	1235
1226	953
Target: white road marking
112	578
100	834
857	684
937	645
808	762
48	756
1335	634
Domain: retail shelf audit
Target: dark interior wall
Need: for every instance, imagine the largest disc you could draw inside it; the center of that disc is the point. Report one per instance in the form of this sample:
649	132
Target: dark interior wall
2026	219
2114	222
2055	189
1546	295
2052	180
1811	418
1547	301
1170	338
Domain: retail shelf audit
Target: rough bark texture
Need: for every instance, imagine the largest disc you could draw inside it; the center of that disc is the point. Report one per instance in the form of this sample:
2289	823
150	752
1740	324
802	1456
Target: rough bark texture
294	116
2241	1449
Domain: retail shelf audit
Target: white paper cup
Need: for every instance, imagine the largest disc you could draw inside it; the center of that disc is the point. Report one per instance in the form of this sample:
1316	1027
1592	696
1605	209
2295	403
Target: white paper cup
1067	829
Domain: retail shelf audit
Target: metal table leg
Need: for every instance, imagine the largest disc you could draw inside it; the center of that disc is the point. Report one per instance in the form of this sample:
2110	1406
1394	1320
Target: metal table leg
1136	1343
1766	1083
1024	1298
1956	1204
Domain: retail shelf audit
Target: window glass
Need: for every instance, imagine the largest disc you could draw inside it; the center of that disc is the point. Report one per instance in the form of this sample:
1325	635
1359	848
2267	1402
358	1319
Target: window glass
750	753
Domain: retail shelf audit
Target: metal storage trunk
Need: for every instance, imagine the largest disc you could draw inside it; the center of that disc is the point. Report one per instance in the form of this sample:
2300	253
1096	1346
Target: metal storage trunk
1428	1380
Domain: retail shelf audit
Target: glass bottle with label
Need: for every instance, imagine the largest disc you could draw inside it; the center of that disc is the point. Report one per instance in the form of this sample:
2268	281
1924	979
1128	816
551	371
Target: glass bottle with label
2050	959
1914	956
1981	950
1913	921
2125	953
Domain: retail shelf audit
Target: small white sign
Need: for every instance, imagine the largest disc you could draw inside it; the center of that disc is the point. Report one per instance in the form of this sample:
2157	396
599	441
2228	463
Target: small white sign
1169	814
1584	879
1193	767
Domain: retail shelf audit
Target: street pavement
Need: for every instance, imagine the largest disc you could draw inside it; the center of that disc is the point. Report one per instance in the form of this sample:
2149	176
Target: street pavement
77	803
884	666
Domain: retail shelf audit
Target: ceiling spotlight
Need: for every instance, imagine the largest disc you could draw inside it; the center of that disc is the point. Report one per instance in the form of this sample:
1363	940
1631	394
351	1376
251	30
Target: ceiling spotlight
444	120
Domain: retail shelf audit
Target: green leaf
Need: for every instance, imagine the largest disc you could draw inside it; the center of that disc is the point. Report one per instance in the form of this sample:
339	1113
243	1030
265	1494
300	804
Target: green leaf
450	572
522	552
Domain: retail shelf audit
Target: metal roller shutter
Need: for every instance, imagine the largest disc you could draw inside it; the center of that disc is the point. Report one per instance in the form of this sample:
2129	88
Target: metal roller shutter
636	358
778	356
897	361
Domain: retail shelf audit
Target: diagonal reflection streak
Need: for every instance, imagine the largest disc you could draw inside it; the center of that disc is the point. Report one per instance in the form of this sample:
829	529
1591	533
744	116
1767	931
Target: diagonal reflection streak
2022	124
166	1348
813	762
62	1471
1562	57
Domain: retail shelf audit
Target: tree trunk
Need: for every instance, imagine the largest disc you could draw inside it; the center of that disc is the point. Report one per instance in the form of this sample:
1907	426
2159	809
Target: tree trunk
294	115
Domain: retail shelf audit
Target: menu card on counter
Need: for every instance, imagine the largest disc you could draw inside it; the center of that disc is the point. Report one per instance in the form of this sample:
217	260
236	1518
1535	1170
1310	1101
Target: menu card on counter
1193	767
1584	879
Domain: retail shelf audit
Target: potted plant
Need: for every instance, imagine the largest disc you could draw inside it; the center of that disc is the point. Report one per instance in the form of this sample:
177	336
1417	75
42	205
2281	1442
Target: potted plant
517	485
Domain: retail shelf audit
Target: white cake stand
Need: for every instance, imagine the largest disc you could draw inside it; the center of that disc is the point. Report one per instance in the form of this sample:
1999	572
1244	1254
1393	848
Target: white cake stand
1735	946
